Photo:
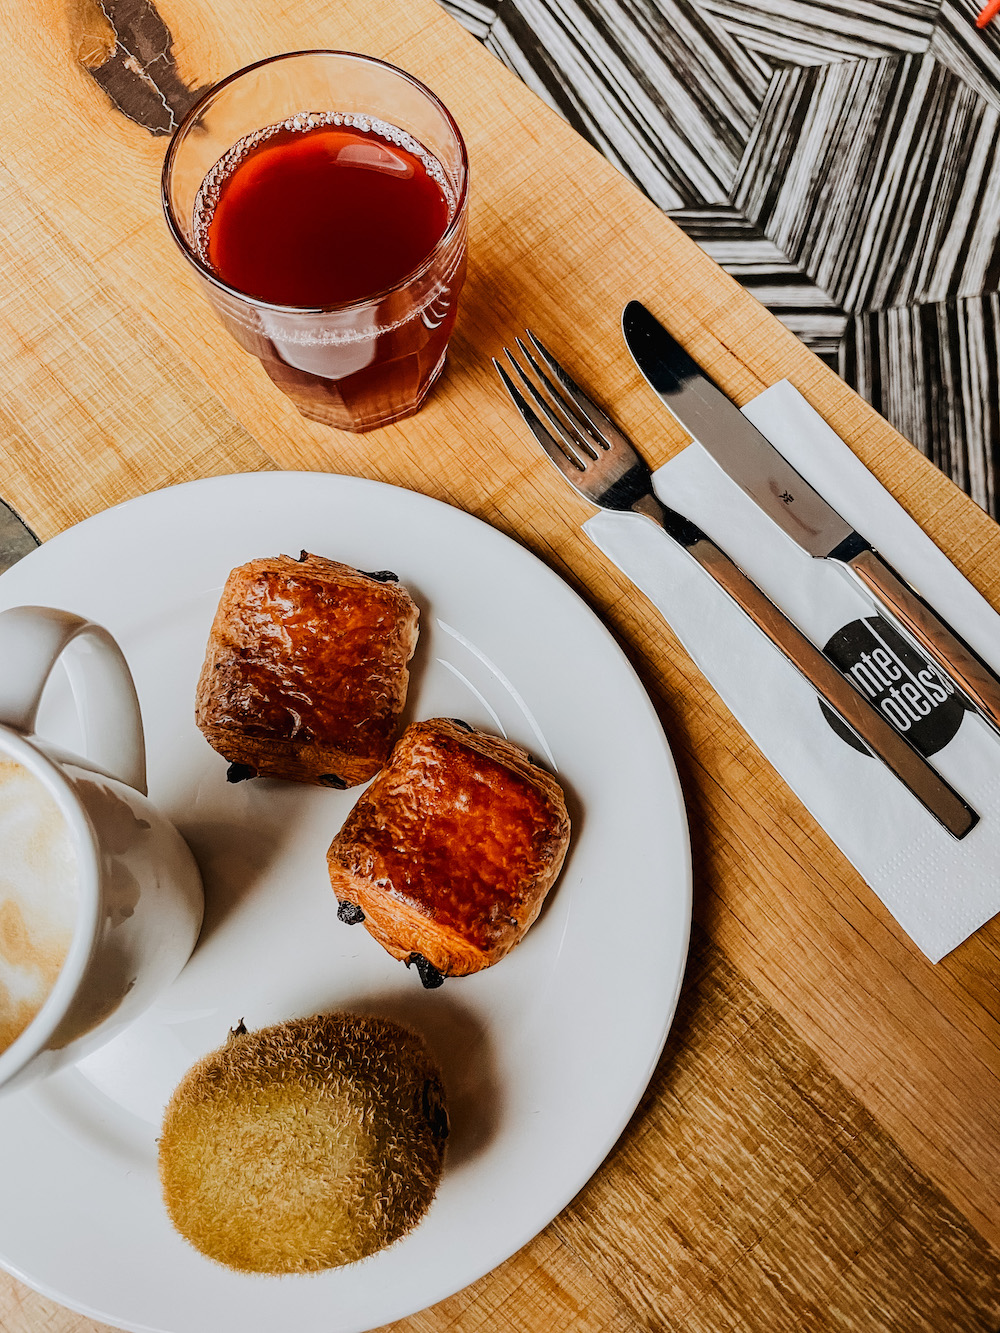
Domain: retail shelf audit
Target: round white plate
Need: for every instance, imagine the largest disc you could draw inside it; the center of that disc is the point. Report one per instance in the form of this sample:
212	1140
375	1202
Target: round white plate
544	1055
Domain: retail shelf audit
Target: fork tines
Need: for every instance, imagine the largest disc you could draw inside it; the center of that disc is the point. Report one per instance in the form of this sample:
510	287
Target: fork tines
577	430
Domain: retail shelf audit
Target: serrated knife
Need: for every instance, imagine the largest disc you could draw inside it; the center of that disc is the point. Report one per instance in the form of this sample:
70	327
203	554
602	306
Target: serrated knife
787	498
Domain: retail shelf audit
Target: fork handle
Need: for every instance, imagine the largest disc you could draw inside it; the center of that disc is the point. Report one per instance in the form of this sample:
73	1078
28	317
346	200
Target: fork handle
881	738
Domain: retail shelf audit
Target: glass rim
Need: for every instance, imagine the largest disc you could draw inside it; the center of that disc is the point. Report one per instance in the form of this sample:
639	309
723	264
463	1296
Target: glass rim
206	272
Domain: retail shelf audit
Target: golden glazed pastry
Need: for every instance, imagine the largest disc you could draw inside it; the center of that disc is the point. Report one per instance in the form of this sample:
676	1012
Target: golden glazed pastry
306	672
448	855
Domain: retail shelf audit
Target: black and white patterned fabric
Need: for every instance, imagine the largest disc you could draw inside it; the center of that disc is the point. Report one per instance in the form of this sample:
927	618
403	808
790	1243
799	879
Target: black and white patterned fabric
841	158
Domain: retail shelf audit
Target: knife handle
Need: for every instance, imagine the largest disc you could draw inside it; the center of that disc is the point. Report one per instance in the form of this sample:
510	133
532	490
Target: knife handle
867	723
926	631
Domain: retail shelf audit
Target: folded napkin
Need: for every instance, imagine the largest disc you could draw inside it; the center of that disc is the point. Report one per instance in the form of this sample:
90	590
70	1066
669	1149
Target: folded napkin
940	890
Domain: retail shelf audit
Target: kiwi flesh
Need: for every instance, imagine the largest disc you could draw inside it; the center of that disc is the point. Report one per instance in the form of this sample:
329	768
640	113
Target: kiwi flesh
306	1145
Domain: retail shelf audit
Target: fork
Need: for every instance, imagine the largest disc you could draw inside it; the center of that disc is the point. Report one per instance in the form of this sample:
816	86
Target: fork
601	464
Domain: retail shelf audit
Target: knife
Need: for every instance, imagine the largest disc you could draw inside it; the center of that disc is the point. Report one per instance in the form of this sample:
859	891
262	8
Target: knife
802	514
600	462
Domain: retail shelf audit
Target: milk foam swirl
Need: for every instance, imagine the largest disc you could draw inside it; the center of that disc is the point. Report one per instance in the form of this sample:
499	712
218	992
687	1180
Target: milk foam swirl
39	885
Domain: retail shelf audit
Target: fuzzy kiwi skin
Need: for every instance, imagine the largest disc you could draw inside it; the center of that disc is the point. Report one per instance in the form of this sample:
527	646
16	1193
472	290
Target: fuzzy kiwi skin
304	1146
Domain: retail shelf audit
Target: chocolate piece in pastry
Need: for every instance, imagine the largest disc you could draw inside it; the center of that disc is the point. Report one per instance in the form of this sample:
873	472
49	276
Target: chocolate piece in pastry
452	849
306	671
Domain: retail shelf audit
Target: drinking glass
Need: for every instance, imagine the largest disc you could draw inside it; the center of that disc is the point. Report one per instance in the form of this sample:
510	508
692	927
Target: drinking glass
366	362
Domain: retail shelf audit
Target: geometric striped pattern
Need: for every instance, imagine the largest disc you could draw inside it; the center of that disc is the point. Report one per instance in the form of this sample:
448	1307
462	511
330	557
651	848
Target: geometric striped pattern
841	158
880	179
798	32
742	249
932	368
971	54
657	86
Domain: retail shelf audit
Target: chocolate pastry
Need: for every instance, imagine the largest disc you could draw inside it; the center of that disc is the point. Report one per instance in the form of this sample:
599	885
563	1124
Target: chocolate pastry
450	852
306	671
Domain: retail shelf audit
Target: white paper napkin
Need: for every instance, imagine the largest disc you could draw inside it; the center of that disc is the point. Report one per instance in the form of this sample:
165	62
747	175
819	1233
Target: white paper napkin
940	890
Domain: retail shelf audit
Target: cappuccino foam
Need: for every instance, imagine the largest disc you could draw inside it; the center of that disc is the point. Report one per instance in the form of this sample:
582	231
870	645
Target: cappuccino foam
39	884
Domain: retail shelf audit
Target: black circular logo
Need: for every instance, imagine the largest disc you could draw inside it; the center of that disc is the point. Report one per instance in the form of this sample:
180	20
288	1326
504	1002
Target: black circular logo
910	692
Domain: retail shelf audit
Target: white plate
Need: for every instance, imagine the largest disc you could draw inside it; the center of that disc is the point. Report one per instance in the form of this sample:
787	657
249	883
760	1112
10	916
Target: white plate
545	1055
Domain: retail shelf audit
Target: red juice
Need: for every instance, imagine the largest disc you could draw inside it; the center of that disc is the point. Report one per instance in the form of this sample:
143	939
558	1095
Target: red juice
321	214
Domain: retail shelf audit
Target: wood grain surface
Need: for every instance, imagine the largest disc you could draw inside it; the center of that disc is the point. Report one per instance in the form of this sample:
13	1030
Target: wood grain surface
820	1145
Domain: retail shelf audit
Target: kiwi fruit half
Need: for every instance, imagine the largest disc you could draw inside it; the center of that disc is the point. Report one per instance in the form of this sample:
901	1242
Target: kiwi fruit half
306	1145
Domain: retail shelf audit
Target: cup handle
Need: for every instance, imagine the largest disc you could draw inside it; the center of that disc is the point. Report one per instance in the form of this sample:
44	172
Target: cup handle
32	638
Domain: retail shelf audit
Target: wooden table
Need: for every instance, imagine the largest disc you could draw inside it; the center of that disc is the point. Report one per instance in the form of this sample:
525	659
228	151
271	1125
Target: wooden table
820	1145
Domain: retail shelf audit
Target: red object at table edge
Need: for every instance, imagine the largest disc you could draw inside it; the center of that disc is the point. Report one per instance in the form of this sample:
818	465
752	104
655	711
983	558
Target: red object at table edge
988	12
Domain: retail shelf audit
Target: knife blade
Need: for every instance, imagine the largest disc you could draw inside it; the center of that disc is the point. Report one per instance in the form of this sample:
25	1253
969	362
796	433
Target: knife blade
786	497
614	476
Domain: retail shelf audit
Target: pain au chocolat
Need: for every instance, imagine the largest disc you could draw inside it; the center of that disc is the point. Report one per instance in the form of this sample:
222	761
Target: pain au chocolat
306	670
448	855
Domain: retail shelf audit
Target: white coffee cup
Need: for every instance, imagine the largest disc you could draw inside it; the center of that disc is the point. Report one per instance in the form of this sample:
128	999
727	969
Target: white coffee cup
139	893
